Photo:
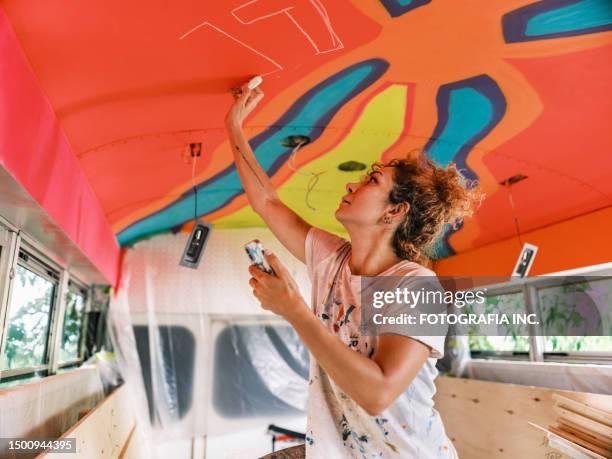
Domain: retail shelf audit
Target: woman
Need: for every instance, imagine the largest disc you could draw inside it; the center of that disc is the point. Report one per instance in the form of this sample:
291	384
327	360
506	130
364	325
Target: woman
368	396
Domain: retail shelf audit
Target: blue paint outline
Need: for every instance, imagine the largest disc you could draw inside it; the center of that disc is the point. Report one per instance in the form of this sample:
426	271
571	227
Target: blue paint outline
484	85
395	9
487	87
514	23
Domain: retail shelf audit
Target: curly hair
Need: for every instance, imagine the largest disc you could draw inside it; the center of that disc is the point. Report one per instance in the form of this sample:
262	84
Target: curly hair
437	196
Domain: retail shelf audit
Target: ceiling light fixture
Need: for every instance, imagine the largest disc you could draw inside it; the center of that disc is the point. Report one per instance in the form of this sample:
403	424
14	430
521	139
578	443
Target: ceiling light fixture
528	251
201	230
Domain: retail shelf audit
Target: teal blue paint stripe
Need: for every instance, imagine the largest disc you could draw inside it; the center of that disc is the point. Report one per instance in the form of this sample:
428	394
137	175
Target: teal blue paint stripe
440	248
582	15
469	113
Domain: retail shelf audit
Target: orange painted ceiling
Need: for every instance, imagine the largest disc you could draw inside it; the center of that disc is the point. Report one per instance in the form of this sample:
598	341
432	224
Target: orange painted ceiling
502	88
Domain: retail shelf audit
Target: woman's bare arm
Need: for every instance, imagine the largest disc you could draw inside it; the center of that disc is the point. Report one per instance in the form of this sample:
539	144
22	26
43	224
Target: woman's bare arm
373	383
287	226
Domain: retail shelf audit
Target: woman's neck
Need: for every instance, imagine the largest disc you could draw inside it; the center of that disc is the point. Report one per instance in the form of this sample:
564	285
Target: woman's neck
371	252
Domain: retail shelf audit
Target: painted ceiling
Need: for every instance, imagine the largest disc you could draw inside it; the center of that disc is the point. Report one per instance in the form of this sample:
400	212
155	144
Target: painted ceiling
502	88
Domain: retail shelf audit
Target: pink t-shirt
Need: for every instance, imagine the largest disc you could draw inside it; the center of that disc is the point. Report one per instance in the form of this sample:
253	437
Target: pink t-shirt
337	426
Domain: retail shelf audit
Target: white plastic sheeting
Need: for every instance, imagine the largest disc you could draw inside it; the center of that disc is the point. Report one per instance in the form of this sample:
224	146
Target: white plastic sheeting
198	353
219	286
47	407
265	357
282	380
576	377
456	354
202	358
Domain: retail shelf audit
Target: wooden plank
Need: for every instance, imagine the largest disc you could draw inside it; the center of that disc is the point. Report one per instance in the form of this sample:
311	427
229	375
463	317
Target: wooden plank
137	446
596	414
490	420
104	431
128	443
597	441
581	432
586	423
575	450
579	441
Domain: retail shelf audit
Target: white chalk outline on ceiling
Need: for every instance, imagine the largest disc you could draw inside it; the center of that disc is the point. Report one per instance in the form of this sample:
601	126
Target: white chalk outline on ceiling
317	5
207	23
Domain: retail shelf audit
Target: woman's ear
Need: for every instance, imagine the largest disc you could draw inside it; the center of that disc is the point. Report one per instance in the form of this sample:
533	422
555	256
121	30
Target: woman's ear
395	212
399	210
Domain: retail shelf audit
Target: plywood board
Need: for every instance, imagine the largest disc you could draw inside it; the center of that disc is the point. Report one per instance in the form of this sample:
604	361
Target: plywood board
104	431
490	420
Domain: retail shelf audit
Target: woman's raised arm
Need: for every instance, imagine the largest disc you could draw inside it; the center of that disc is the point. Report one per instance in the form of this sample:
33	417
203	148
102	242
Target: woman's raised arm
287	226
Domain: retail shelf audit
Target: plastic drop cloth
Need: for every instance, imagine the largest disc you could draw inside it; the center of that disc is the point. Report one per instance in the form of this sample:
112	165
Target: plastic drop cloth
456	354
198	354
48	407
270	361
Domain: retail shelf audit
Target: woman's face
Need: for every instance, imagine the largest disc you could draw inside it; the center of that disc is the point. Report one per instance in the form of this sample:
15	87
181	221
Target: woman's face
366	201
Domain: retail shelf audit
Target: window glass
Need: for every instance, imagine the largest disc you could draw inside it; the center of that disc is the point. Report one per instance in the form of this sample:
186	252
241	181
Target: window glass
511	340
70	348
28	320
571	311
273	366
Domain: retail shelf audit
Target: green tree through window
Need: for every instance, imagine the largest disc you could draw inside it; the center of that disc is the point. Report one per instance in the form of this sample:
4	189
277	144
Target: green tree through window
73	324
567	311
513	339
28	323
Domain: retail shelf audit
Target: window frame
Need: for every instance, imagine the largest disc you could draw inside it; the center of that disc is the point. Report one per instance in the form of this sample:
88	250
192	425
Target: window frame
8	244
74	285
44	267
530	287
505	288
42	262
575	356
